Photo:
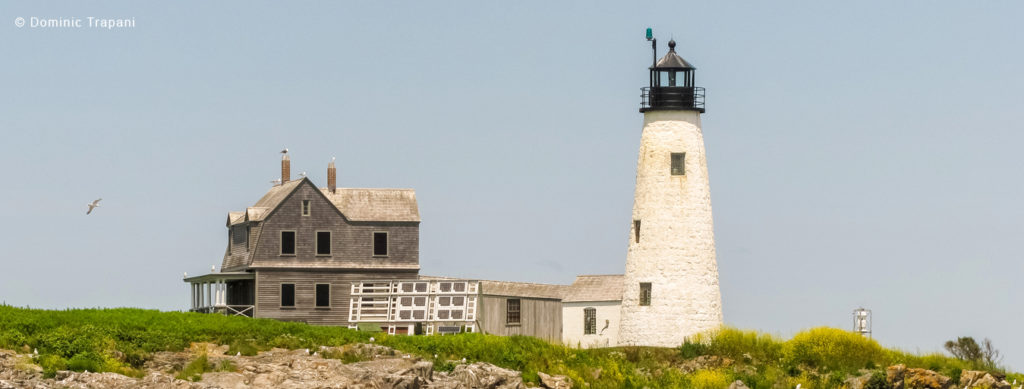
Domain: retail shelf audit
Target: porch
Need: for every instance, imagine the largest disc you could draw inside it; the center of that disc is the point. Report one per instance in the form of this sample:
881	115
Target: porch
228	293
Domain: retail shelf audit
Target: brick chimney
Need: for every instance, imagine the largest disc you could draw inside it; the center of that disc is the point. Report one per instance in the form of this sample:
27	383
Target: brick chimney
286	169
332	177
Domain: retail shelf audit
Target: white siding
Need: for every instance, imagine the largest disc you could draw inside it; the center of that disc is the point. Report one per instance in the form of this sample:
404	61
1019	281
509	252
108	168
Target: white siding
572	324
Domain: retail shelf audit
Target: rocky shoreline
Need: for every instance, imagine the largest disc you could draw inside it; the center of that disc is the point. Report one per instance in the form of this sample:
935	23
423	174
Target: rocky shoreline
378	367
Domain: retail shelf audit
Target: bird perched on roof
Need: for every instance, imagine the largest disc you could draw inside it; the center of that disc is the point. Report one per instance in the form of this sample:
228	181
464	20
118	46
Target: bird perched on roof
276	182
93	204
285	151
213	268
303	174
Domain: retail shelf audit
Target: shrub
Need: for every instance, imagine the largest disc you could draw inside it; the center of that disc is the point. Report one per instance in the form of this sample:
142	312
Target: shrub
877	381
832	349
195	369
87	360
709	379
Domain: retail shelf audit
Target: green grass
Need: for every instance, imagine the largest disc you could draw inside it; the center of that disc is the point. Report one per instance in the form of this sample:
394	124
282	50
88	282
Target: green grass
122	340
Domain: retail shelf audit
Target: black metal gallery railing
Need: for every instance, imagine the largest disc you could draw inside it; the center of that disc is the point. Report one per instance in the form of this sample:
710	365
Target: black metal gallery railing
672	97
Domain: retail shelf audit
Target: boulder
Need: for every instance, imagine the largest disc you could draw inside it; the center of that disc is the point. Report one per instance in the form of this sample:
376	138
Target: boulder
738	385
483	376
554	382
926	379
971	379
894	375
858	382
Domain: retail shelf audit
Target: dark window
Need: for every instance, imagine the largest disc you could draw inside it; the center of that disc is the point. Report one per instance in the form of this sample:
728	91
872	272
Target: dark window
305	207
380	243
636	231
589	321
323	295
323	242
287	295
645	293
288	242
678	164
248	231
512	311
231	239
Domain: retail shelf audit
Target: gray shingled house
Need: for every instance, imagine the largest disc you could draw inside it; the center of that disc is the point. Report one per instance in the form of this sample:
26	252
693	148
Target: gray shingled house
294	254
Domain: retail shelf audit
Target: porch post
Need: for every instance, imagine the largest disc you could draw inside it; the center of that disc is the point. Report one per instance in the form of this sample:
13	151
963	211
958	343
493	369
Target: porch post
192	295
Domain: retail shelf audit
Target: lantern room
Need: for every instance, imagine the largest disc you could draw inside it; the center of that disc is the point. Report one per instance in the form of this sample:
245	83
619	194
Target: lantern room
672	84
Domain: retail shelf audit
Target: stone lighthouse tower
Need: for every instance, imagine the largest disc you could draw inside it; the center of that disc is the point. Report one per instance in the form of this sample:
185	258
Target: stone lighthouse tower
671	277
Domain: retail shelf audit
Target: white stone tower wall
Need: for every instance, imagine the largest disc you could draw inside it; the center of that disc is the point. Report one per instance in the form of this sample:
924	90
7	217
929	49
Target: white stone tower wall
676	251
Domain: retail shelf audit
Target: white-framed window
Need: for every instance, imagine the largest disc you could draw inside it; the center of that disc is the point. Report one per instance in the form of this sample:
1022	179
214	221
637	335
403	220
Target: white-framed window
305	207
323	295
287	242
589	321
287	295
512	311
323	243
380	244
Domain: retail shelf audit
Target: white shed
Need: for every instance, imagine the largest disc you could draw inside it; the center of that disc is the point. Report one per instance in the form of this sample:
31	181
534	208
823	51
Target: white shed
590	311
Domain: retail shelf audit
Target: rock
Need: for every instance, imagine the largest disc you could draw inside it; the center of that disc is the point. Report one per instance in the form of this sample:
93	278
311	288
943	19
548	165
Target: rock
706	362
422	369
738	385
894	375
554	382
484	376
225	380
926	379
971	379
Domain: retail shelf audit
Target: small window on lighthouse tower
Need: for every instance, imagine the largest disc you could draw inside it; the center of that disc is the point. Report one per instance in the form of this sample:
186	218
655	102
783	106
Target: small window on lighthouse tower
678	164
636	231
645	293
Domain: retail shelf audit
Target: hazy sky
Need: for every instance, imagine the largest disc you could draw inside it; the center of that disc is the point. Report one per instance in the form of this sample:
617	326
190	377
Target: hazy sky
861	154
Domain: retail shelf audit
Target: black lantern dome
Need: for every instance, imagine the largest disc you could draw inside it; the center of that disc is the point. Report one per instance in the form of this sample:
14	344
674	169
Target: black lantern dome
671	85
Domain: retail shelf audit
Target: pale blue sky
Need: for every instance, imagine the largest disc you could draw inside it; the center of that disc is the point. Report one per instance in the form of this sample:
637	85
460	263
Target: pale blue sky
861	154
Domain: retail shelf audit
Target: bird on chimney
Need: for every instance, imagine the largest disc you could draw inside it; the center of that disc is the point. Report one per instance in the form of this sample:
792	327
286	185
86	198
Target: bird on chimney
285	151
94	204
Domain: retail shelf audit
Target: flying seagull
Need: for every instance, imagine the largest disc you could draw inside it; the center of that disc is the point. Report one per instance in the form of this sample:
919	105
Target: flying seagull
285	151
94	204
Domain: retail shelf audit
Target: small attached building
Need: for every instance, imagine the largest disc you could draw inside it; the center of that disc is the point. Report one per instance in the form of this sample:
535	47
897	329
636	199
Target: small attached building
521	308
591	310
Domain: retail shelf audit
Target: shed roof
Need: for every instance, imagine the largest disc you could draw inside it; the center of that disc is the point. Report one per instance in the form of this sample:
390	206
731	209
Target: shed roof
596	288
523	289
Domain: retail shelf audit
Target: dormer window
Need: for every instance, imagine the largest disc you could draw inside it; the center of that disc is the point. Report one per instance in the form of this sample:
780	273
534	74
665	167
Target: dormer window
305	207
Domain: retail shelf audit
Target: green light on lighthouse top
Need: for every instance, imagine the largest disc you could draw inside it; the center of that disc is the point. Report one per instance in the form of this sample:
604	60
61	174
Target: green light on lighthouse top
650	34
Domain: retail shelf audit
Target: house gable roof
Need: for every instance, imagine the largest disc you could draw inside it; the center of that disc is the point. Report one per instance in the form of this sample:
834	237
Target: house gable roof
355	204
383	205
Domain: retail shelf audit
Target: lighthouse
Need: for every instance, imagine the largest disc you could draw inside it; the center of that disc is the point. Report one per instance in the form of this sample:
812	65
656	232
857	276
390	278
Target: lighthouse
671	278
